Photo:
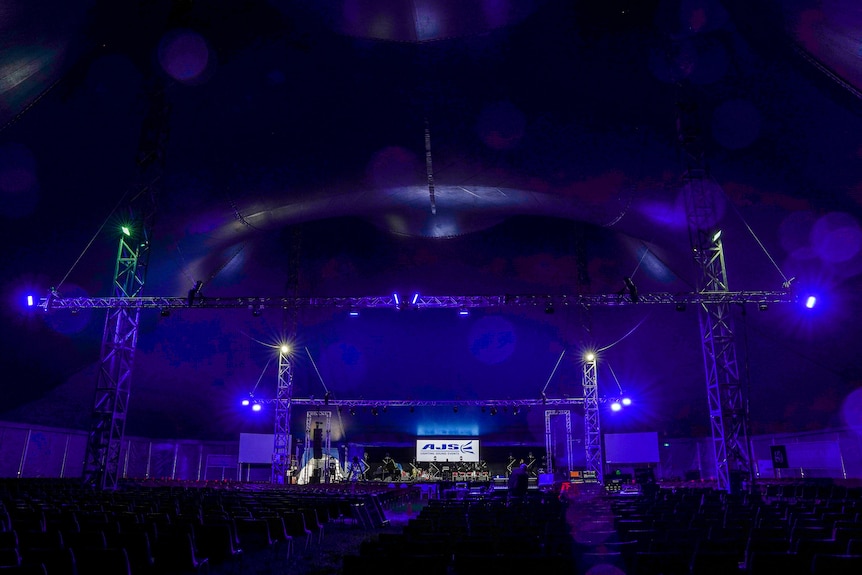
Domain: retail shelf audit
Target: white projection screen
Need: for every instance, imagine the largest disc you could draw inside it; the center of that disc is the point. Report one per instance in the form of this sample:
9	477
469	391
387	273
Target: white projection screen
631	447
256	447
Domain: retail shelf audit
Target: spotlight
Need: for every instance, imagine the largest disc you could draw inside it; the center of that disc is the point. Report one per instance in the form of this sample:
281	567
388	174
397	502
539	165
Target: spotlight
810	302
30	301
493	411
515	410
415	299
626	401
397	300
245	402
762	307
590	356
256	407
374	411
353	312
463	311
284	349
715	236
352	411
615	406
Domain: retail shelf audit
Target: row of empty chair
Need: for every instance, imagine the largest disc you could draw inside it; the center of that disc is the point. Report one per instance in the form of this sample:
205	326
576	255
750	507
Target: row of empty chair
62	528
701	531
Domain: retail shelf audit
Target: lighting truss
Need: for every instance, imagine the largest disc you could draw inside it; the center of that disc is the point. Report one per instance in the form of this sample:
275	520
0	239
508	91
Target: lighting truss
317	402
57	302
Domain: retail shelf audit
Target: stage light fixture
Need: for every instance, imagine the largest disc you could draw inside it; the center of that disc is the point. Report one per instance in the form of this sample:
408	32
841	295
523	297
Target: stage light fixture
493	411
374	411
680	307
716	235
126	230
256	407
245	402
30	301
463	311
415	299
626	401
762	306
810	302
353	312
590	356
352	411
165	312
616	406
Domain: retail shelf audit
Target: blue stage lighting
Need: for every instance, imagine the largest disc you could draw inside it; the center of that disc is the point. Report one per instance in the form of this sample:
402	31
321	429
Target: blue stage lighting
626	401
256	407
615	406
245	402
30	301
811	302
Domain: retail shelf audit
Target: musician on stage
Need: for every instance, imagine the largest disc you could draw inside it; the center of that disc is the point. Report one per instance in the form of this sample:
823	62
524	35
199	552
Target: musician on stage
390	468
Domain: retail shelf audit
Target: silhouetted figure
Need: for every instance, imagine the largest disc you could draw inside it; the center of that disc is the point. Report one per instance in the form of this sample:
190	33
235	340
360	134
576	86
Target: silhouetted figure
518	480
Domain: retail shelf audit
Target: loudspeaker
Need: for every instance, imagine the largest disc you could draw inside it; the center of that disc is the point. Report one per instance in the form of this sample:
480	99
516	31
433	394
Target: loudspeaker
317	443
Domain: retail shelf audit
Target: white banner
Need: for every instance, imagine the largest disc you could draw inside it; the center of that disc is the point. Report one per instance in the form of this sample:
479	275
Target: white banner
447	449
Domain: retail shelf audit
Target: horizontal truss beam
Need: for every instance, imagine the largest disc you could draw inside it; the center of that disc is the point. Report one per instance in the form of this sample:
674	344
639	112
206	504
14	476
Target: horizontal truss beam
316	402
54	301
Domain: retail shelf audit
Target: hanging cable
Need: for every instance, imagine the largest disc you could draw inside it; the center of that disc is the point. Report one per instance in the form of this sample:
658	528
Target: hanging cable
90	243
786	281
615	377
326	391
631	331
251	393
553	371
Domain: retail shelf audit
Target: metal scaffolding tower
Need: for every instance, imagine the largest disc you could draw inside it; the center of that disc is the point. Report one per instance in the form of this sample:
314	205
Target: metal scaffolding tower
592	428
727	413
108	422
281	439
549	439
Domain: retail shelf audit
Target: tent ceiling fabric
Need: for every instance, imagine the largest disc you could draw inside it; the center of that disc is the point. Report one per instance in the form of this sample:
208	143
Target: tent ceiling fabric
354	147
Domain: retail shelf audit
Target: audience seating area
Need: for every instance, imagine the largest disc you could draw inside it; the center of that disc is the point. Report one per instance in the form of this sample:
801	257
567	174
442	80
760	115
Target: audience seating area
57	527
804	530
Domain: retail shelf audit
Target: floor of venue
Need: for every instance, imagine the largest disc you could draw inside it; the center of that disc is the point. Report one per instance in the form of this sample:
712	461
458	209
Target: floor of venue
54	527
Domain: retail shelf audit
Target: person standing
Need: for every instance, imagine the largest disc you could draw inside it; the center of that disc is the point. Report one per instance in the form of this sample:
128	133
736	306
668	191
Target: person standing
518	481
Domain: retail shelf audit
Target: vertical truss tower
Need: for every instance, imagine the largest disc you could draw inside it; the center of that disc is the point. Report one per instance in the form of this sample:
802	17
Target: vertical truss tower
592	429
727	413
281	440
549	440
108	422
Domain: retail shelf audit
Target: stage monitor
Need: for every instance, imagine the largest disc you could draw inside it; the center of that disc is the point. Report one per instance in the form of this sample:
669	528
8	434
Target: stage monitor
447	449
631	447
